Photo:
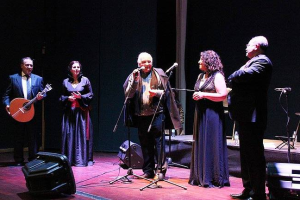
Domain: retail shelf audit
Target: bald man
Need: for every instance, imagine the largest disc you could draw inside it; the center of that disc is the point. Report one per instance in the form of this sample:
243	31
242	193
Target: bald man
248	107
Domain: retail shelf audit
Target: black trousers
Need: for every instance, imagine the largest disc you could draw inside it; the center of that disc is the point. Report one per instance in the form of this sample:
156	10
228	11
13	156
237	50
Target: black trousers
27	134
253	164
152	143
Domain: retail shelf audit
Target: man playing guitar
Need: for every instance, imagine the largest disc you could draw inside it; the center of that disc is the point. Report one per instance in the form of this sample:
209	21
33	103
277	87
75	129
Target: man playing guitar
28	86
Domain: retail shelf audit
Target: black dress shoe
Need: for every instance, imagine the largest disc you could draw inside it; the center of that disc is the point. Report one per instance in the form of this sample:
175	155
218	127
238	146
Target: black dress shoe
259	197
240	196
19	164
90	163
159	176
146	175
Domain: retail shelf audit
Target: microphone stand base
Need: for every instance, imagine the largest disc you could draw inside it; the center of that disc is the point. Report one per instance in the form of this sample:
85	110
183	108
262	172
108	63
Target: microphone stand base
170	163
129	173
160	177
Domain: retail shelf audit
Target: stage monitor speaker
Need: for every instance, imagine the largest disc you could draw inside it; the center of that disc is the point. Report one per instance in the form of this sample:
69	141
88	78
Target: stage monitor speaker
282	178
137	160
49	173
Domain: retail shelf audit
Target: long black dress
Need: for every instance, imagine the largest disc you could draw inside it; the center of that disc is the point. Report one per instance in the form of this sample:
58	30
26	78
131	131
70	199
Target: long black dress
209	166
77	129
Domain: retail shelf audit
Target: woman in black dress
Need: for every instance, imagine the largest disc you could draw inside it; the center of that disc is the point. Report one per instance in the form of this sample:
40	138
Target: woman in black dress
209	166
77	129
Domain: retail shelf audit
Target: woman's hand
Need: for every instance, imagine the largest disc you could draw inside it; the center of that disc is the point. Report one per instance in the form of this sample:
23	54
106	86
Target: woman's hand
71	98
76	95
198	95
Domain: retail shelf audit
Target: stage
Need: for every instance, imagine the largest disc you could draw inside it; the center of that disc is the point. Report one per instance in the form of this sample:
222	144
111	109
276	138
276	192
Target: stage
93	182
181	147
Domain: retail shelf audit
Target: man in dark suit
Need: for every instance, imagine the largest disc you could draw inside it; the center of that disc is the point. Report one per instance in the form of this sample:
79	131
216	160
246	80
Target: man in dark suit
144	87
248	107
24	85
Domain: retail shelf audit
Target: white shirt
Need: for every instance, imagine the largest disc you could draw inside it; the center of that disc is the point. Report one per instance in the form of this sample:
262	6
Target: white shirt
24	84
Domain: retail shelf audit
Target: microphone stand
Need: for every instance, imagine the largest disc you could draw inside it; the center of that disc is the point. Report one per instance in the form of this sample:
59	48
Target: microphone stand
288	122
129	171
287	125
161	175
179	89
169	159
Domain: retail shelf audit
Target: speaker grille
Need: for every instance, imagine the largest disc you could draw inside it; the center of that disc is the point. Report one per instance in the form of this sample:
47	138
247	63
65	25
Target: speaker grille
49	173
137	160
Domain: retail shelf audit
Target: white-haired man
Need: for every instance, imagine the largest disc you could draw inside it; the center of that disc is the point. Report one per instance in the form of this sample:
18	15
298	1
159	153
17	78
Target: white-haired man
144	86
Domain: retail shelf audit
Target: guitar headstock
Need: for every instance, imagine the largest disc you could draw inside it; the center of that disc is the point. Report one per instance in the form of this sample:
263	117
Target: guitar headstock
47	88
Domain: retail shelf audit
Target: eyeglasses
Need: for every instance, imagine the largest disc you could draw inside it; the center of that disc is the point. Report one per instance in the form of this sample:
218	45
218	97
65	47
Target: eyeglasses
28	65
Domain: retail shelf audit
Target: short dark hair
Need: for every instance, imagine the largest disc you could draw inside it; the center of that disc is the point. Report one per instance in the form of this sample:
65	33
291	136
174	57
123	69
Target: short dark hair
25	58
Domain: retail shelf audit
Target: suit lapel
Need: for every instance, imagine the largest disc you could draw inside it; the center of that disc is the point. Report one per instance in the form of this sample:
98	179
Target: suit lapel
251	61
163	77
19	83
33	83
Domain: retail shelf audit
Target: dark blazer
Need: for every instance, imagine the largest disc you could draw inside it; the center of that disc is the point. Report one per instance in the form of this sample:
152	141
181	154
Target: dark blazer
15	89
247	102
171	110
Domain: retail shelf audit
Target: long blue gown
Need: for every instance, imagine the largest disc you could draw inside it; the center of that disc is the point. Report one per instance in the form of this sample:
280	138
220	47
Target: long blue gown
209	165
77	129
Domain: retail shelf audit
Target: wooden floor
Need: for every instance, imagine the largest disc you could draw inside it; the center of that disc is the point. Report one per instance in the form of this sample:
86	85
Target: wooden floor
93	183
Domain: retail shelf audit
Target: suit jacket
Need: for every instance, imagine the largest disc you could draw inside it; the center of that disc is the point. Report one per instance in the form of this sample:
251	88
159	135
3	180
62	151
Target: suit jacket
247	102
15	89
170	107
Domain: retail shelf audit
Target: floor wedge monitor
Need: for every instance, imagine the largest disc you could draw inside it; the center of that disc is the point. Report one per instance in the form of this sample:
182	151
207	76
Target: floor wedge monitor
49	173
137	160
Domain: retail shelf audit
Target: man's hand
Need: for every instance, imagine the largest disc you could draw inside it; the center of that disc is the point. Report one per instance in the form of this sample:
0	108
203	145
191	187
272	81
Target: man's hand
7	109
157	93
39	96
136	74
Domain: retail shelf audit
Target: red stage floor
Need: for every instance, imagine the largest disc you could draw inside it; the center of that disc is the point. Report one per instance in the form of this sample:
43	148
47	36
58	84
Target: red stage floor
93	183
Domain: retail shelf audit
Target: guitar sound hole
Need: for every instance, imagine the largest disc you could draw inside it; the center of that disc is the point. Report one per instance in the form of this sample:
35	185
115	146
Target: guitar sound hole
26	107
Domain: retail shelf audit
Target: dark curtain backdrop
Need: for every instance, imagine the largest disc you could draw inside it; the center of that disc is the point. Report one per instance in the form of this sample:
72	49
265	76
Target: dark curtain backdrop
227	26
107	36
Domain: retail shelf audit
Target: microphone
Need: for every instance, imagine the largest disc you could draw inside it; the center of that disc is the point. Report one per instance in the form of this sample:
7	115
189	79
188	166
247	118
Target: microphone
141	68
172	67
286	89
138	69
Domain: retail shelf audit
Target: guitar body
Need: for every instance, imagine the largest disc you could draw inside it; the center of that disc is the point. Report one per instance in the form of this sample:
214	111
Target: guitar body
18	112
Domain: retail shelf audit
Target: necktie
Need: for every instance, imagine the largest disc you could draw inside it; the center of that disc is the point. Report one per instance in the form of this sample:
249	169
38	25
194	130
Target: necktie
28	88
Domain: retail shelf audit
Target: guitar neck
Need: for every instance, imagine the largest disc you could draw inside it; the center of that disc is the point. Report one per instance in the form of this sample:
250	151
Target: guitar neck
30	102
34	100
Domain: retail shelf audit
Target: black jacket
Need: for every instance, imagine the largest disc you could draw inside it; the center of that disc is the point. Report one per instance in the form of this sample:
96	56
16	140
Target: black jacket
15	89
247	102
170	107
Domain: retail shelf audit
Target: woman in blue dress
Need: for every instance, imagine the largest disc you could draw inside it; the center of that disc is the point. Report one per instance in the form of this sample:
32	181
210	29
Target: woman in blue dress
209	165
77	129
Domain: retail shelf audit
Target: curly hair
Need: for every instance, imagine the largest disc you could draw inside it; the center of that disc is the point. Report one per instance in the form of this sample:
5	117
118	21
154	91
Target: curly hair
212	61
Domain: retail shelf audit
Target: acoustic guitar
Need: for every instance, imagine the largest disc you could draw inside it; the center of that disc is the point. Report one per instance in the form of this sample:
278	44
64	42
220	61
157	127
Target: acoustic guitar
22	109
